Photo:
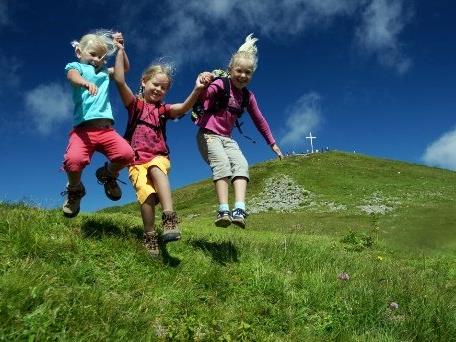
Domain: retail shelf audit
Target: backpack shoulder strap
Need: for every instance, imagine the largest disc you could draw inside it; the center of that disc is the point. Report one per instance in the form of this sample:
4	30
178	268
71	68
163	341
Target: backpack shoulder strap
224	98
226	85
245	99
133	121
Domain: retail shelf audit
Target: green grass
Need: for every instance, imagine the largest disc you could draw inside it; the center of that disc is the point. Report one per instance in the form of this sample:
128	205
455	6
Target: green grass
90	279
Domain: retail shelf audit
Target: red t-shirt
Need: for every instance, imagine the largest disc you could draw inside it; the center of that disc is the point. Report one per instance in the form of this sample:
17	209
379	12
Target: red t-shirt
148	140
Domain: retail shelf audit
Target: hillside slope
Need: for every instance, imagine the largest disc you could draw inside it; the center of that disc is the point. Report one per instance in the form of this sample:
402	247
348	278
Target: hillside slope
411	205
338	247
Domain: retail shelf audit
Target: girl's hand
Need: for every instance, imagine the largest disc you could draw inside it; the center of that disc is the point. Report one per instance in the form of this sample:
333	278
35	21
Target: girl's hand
118	40
204	79
92	88
277	150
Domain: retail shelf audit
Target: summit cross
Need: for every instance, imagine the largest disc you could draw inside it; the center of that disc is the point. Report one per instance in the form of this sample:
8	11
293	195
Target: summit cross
311	138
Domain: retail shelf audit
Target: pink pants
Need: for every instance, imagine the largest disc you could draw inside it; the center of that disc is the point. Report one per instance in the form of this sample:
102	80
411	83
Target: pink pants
84	141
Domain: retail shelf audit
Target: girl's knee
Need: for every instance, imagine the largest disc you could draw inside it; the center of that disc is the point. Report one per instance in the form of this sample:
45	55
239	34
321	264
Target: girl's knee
125	156
74	163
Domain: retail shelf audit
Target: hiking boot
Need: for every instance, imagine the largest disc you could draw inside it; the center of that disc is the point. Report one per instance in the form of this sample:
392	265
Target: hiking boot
73	194
171	231
151	243
223	218
238	217
109	181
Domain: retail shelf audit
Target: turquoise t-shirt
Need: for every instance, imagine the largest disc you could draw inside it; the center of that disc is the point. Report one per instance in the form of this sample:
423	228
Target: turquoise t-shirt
86	106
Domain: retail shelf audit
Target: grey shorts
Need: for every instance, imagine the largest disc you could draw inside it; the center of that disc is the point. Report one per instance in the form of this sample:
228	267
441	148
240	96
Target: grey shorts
223	155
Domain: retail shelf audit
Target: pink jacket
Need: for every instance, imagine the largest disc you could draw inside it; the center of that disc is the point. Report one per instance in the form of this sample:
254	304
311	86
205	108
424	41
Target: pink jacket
223	122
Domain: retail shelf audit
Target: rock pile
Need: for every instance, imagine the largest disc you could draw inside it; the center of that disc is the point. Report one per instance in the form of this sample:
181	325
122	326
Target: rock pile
281	193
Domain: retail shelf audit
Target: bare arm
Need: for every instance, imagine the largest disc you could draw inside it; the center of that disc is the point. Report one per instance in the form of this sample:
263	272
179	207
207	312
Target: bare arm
120	42
125	92
203	80
77	80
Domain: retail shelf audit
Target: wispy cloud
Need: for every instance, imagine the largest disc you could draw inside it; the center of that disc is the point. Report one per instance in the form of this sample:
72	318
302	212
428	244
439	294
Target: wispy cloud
48	105
9	75
304	116
382	23
4	20
188	32
442	152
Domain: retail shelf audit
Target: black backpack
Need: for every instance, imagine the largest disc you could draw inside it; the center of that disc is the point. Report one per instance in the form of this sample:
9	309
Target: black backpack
135	121
222	103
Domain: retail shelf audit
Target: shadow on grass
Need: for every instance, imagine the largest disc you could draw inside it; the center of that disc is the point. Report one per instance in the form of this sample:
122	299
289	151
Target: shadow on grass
221	252
96	228
167	258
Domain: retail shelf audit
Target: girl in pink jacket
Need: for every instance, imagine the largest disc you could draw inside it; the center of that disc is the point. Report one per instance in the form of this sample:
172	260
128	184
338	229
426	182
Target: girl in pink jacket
218	149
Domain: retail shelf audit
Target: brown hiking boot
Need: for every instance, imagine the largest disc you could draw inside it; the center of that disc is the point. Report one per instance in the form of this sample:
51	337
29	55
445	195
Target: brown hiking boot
151	243
109	181
72	202
171	231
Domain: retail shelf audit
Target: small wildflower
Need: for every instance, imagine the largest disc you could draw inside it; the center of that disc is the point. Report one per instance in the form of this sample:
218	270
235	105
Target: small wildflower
393	306
343	276
380	258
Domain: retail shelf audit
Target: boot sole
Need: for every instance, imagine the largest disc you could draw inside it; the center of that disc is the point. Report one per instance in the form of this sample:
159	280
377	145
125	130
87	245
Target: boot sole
169	237
112	198
222	223
240	224
68	215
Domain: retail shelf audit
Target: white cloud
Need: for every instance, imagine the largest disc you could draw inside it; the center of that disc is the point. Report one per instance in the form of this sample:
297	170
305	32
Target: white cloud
383	21
442	152
305	116
187	32
48	105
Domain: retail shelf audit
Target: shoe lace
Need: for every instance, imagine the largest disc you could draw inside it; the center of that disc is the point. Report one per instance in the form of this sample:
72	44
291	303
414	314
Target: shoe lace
109	179
239	212
151	240
170	221
223	213
72	194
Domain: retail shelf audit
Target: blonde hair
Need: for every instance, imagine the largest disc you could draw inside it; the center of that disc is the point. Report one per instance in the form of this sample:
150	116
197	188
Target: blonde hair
98	39
247	50
159	67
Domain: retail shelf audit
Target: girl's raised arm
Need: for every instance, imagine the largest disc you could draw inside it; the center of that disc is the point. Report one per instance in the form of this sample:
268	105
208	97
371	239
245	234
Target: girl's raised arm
119	77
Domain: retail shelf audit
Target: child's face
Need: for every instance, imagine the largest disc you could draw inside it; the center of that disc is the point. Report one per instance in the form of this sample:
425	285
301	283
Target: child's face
241	72
155	88
92	55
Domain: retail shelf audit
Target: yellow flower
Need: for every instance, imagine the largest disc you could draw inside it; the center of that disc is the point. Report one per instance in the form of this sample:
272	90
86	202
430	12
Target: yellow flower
380	258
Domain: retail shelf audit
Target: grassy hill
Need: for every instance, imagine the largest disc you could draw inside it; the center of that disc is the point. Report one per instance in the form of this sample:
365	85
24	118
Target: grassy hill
338	247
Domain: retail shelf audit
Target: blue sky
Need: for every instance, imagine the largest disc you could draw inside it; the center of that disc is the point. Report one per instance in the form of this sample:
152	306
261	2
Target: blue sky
372	76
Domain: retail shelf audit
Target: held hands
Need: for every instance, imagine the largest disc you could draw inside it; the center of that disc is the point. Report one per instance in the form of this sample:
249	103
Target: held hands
118	40
204	79
277	151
